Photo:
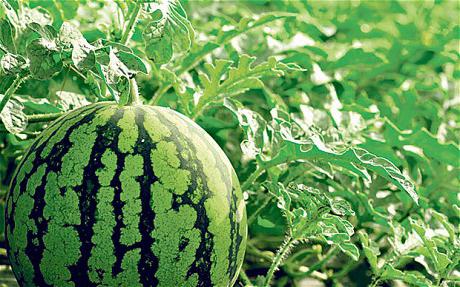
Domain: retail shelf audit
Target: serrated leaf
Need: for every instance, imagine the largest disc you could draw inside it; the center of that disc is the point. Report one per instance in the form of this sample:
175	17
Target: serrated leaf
245	25
307	150
341	207
447	225
439	259
391	273
82	53
241	78
443	152
13	117
116	76
253	125
170	31
45	59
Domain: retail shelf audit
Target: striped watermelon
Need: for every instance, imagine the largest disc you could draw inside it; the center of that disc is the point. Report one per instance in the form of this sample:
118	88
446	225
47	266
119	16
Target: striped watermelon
125	196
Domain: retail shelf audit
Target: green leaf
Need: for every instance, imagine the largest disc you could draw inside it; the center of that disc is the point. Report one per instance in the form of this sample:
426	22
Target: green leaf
253	125
13	64
308	150
447	225
115	75
38	105
160	51
68	101
83	55
440	260
7	34
132	62
350	249
12	8
245	25
371	251
412	278
94	86
12	116
442	152
239	79
12	4
169	31
356	57
45	31
45	58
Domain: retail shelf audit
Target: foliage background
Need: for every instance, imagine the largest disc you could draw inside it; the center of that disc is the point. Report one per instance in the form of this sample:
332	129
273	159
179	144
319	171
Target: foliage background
340	118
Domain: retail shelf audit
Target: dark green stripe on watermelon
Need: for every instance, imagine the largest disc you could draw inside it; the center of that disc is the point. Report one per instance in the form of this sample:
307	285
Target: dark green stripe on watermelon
34	247
148	263
201	264
87	199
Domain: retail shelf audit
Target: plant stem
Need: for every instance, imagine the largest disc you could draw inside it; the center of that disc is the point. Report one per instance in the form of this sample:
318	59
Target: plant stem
78	72
129	29
14	86
284	249
318	265
252	178
157	96
38	118
375	283
259	209
265	255
134	93
245	279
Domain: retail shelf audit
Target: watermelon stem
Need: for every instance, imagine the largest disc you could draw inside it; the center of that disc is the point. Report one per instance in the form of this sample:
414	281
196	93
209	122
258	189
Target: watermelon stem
134	98
38	118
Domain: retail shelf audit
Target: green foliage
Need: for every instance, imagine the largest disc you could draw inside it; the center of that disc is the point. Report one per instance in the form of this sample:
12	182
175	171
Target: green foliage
340	118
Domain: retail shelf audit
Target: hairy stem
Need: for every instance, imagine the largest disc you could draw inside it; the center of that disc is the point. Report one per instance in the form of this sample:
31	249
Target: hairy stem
129	29
134	93
39	118
284	249
14	86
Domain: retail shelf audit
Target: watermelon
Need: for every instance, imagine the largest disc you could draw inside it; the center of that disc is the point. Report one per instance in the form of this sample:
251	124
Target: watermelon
125	196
